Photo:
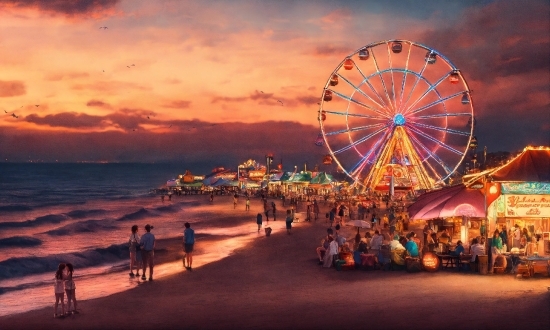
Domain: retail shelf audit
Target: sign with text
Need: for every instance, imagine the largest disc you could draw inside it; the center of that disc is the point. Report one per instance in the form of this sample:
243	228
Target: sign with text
529	206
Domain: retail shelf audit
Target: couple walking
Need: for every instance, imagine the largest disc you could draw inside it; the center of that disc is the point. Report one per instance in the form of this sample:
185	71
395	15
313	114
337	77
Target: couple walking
64	284
142	252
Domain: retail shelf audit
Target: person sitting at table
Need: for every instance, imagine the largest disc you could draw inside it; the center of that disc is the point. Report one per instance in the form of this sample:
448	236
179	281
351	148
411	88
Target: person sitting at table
476	249
496	247
458	250
376	241
411	246
395	244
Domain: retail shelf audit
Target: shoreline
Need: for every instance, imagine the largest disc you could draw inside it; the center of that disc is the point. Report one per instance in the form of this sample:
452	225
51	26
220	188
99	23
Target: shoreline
275	282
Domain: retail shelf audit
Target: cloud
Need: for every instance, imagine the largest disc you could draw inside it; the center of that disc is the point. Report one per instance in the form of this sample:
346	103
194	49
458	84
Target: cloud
98	103
180	104
211	144
12	88
95	8
67	120
62	76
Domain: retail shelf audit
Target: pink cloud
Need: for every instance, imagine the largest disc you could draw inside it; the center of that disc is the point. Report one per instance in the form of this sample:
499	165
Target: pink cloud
12	88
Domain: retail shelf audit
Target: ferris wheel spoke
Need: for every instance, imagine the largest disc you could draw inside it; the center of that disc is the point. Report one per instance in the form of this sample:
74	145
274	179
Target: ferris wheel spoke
381	79
442	129
403	82
351	99
419	132
403	105
432	87
434	103
365	95
391	75
418	144
361	140
364	160
380	98
457	114
359	128
340	113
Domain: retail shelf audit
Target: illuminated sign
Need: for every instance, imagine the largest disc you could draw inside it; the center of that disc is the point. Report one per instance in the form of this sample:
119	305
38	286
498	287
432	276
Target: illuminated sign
534	206
532	188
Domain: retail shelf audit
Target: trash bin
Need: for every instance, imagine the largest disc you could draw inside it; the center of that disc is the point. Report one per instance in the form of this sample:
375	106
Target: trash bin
267	231
483	264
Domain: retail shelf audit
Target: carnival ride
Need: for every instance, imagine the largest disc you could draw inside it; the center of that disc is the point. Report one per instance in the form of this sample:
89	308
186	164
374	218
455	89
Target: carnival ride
396	112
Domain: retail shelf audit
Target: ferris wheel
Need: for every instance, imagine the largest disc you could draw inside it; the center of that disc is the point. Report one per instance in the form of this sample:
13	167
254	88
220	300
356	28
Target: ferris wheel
396	111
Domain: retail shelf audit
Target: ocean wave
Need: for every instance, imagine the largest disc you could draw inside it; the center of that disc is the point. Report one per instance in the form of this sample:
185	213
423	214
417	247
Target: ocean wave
79	214
140	214
23	266
46	219
19	241
15	208
89	226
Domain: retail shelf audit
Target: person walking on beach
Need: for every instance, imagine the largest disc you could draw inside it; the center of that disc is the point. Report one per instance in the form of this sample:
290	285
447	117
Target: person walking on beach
188	244
147	244
316	209
332	216
259	221
211	197
235	201
70	288
134	247
59	290
266	210
274	210
284	199
247	208
289	219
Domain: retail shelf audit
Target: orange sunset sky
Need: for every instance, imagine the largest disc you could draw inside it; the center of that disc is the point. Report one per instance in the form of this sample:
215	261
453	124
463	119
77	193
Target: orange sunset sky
200	82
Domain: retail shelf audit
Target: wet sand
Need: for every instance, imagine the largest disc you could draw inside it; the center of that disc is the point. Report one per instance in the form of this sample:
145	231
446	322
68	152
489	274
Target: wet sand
275	283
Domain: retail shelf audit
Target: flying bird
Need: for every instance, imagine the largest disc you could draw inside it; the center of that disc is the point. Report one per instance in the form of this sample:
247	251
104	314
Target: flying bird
280	102
133	65
128	66
14	116
37	105
103	27
262	92
5	111
148	117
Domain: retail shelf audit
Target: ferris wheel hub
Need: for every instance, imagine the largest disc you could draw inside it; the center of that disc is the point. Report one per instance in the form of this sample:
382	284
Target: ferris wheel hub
399	120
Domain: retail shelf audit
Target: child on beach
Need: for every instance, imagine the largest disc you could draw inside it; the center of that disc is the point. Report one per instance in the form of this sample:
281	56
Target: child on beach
70	288
59	290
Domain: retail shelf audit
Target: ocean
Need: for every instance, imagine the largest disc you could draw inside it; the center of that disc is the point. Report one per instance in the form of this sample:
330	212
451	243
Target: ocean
82	214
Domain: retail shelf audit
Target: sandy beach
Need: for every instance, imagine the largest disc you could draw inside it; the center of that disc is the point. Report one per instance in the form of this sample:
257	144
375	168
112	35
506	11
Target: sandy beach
275	283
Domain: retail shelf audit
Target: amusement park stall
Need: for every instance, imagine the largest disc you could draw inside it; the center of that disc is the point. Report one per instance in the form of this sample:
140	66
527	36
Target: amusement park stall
458	209
518	193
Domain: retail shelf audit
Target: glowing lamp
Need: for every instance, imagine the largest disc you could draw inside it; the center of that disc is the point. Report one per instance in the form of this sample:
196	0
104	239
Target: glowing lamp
493	190
430	261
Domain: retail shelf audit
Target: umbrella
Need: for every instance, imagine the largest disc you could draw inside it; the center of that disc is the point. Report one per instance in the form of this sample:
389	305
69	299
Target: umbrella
359	224
449	202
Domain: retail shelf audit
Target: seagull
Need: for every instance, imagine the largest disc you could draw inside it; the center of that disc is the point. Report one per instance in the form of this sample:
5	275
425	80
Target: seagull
280	101
14	116
148	117
37	105
133	65
103	27
262	92
128	66
5	111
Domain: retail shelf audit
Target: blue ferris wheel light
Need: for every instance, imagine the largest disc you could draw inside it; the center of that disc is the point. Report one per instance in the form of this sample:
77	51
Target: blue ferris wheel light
399	120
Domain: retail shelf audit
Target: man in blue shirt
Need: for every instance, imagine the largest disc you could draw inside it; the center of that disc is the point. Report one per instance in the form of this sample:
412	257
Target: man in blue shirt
147	243
188	243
